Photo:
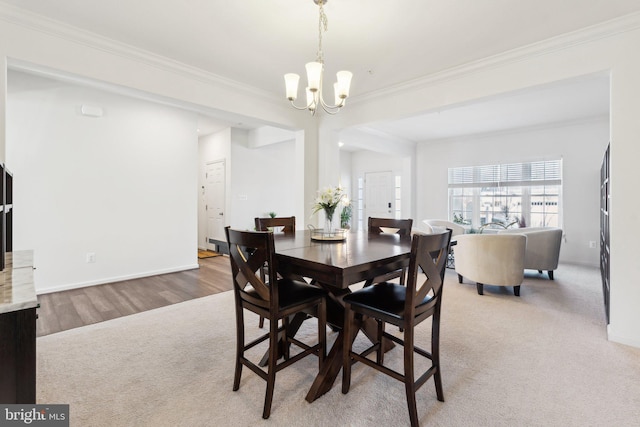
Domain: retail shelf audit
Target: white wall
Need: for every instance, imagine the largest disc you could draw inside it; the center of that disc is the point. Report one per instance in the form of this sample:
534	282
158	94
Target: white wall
123	186
262	180
580	145
345	173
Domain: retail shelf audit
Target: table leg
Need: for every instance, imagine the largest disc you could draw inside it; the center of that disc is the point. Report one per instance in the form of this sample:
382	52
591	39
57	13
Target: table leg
330	368
333	362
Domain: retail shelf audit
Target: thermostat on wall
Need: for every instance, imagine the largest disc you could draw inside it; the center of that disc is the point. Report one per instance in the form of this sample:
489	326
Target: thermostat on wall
88	110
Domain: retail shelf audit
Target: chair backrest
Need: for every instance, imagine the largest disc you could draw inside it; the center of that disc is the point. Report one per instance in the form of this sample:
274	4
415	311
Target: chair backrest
284	224
543	246
492	259
390	225
425	275
249	253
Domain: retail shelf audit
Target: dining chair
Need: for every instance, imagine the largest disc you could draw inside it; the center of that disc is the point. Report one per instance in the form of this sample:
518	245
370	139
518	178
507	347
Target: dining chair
280	224
434	225
276	300
390	225
283	224
405	307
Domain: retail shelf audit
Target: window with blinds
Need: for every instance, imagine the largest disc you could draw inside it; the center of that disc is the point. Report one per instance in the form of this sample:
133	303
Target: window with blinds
524	194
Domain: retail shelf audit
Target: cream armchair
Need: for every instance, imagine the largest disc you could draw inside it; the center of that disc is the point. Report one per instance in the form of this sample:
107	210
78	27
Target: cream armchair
491	259
543	247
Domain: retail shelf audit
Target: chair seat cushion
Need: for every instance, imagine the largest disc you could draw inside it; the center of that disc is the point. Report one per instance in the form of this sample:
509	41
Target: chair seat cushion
293	292
387	298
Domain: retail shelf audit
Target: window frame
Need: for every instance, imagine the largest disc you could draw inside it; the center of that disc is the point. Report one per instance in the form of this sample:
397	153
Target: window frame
514	188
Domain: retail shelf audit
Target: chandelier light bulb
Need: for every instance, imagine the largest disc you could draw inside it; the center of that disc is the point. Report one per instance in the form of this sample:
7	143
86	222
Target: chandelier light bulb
291	83
344	83
314	75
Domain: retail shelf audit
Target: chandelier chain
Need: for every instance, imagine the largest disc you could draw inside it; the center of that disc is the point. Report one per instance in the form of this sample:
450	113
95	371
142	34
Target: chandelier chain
322	26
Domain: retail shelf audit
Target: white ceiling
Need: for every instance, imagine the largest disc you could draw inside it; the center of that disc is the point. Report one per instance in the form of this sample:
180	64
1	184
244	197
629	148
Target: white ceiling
384	43
561	102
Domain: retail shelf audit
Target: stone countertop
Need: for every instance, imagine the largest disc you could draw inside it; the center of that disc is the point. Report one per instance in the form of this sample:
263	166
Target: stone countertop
17	290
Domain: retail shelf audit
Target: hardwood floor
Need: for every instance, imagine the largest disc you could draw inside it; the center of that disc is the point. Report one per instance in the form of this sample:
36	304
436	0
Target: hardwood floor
79	307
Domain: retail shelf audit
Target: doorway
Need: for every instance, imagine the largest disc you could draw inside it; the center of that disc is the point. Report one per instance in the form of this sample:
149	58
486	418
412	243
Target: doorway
215	197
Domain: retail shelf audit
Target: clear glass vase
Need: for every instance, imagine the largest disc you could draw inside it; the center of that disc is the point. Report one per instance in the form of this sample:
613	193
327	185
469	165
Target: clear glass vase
328	224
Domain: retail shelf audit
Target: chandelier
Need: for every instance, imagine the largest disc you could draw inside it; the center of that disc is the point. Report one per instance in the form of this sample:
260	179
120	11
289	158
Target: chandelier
314	77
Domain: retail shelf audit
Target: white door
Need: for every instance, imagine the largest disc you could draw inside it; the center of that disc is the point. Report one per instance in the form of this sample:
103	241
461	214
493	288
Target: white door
215	198
379	195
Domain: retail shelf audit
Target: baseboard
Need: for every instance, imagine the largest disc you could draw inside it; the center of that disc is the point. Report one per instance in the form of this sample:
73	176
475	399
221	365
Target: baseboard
115	279
612	336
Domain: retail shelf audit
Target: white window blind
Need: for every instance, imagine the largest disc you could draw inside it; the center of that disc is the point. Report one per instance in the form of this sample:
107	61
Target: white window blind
548	172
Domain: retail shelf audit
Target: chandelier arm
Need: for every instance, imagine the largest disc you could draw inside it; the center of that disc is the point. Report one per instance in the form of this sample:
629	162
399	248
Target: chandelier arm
331	112
336	107
306	107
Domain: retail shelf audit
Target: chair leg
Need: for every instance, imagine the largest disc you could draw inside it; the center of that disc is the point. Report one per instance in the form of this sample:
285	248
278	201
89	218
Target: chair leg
516	291
459	278
271	373
435	354
286	351
409	383
346	349
479	287
261	322
380	351
239	347
550	272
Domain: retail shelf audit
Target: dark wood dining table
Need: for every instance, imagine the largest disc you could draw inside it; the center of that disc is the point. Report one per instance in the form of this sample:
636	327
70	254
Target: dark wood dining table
361	257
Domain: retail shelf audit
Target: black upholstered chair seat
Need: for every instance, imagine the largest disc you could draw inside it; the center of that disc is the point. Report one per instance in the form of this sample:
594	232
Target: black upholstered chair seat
386	299
293	292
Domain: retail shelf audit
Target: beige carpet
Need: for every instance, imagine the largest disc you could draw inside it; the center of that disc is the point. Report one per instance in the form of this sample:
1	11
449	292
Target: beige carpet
538	360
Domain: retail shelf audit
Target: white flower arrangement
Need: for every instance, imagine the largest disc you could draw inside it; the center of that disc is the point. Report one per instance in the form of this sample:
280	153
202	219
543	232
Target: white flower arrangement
328	200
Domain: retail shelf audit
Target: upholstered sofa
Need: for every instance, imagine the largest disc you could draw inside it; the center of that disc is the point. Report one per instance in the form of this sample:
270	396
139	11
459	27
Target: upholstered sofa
543	247
491	259
430	224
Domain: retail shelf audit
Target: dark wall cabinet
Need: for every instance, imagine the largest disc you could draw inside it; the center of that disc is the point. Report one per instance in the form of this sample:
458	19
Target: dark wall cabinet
6	220
18	305
605	255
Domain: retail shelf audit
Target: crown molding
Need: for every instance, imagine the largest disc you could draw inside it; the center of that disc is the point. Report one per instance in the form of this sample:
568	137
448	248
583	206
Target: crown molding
601	118
50	27
589	34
